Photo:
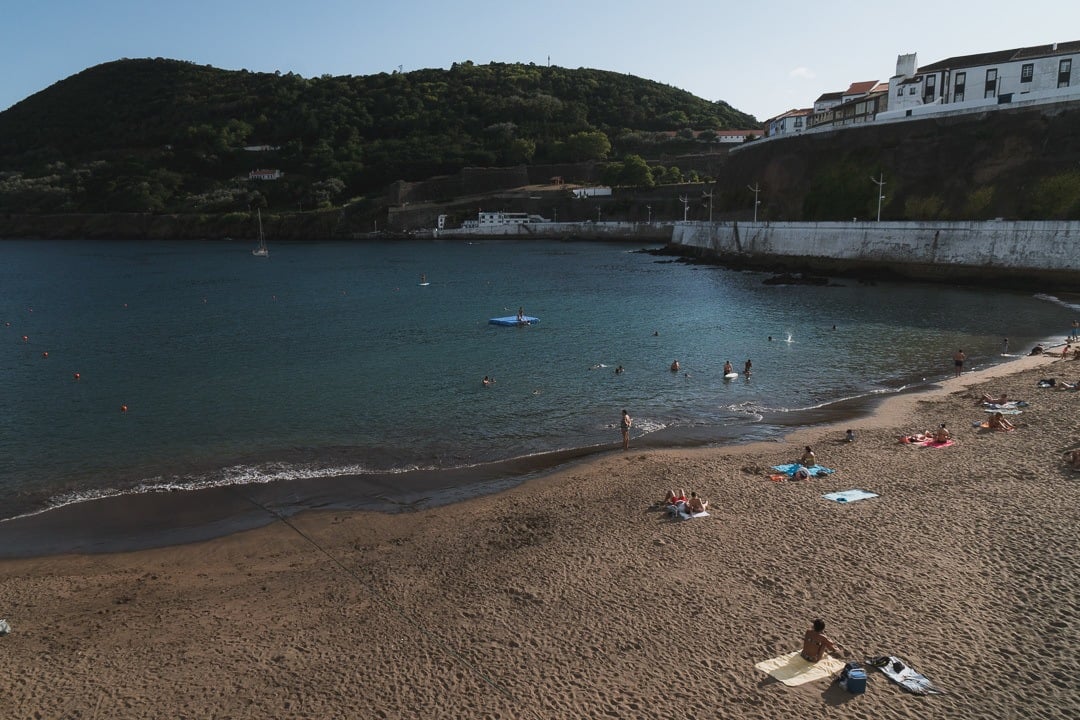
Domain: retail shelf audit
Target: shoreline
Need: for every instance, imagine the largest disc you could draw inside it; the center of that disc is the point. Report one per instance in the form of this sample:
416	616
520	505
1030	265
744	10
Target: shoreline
573	595
130	522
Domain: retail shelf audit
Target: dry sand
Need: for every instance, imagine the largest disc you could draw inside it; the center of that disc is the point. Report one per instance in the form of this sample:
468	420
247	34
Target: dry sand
571	596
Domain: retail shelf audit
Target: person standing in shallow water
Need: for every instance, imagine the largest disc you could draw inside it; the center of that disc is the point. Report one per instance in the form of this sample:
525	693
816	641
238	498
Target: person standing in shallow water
624	425
958	361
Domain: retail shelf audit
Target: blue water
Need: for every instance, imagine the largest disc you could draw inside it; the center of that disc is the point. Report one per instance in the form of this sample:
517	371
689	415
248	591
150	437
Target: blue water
330	359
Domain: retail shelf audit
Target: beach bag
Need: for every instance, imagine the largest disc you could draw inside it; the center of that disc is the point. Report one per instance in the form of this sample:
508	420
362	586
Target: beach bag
853	678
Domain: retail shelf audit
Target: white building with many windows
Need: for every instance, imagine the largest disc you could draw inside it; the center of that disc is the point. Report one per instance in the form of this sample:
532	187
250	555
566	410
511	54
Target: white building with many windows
793	122
1029	76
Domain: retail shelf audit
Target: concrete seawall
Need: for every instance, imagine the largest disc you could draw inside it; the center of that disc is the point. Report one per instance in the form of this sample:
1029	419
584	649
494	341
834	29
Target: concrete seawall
1022	254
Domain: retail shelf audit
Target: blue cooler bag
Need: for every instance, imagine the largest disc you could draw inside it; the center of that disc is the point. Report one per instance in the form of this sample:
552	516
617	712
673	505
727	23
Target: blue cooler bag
856	681
853	679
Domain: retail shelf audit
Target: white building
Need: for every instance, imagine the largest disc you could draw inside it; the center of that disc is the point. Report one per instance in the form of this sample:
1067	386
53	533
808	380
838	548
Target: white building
487	220
1031	75
265	174
793	122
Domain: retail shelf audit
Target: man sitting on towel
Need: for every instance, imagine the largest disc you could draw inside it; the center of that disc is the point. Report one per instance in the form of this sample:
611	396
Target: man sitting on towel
815	643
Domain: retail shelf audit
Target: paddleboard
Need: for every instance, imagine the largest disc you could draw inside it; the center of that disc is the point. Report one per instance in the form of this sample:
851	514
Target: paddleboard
731	375
512	320
424	284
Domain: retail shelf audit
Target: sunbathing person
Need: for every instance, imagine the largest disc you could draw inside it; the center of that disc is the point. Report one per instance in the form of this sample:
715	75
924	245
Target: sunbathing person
815	643
808	458
989	400
942	434
998	422
696	504
676	501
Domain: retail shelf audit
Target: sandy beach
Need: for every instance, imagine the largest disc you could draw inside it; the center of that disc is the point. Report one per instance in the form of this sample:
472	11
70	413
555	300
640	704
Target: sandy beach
575	596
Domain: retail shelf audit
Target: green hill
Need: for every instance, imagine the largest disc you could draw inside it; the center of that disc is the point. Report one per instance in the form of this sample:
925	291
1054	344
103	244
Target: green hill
169	136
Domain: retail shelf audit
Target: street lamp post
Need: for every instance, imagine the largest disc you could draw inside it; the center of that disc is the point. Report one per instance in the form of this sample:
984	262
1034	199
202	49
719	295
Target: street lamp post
756	189
685	206
880	182
649	208
709	195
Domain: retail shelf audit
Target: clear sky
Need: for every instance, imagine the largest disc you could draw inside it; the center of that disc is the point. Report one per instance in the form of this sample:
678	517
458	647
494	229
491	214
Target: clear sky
761	57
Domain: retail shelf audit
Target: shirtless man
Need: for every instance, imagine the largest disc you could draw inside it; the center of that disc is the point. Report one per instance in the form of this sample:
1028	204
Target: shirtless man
728	369
998	422
958	361
696	504
675	366
815	643
624	425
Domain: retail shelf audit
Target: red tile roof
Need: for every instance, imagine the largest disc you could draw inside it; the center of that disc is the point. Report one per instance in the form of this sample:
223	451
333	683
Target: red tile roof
861	88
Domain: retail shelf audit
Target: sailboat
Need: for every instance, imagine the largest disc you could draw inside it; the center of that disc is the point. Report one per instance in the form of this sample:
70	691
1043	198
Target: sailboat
261	251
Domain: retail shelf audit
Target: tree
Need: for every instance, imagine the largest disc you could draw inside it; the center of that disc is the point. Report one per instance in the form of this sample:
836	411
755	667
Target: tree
583	146
635	172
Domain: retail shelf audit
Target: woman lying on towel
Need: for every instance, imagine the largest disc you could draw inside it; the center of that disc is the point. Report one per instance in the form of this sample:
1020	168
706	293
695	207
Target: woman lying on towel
917	437
989	399
673	499
675	503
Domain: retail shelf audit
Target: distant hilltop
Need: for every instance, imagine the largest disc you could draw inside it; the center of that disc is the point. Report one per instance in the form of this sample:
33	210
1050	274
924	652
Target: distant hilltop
159	135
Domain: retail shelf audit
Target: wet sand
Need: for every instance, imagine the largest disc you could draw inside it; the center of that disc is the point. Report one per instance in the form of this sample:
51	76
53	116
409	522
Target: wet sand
574	596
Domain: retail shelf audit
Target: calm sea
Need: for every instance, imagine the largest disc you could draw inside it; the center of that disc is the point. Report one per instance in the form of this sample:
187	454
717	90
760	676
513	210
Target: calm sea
330	360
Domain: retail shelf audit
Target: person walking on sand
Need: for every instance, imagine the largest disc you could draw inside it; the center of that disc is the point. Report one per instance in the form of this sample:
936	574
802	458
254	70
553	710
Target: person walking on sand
958	361
624	425
816	643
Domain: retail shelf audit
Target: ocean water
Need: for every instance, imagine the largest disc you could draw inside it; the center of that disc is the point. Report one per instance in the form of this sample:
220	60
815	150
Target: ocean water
329	360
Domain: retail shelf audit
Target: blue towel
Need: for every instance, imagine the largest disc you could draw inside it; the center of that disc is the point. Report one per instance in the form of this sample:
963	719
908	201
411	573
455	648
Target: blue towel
849	496
792	468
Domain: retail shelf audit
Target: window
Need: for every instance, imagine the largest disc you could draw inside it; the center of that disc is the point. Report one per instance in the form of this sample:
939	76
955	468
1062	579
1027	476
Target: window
990	87
1064	71
958	87
1027	72
899	92
929	85
911	90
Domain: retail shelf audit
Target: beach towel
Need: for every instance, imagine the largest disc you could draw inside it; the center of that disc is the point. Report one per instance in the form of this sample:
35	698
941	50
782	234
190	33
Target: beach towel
683	515
791	669
921	440
791	468
849	496
905	676
1012	405
1003	411
4	627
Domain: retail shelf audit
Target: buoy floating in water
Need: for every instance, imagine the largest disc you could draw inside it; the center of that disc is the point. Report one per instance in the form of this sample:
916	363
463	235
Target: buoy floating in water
123	408
45	355
25	338
77	376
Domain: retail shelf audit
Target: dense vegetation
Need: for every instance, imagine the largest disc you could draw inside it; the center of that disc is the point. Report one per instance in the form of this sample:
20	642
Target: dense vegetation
168	136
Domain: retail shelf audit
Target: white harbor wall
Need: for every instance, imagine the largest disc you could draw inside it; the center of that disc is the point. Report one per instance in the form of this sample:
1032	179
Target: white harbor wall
1048	249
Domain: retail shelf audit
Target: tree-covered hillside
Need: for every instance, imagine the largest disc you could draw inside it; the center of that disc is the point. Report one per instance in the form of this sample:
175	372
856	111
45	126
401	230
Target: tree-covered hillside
164	135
